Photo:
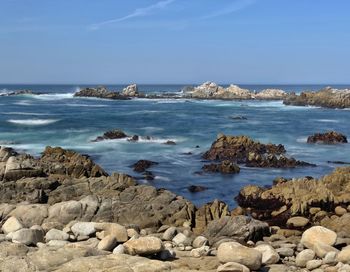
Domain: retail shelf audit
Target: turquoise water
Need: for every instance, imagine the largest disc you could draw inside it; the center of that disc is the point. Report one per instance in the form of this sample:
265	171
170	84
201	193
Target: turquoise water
55	118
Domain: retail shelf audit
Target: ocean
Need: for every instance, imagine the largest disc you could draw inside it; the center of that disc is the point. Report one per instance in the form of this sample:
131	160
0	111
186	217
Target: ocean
31	122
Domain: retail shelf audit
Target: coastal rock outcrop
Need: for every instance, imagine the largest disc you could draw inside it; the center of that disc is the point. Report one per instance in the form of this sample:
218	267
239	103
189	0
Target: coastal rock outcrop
270	94
327	97
244	150
210	90
330	137
99	92
225	167
309	197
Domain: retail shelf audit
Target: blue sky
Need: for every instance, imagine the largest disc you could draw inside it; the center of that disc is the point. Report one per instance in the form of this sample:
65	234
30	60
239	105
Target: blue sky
174	41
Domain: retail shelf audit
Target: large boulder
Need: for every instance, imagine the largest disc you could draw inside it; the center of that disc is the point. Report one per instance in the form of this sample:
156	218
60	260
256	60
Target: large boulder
327	97
240	228
330	137
235	252
143	246
244	150
318	234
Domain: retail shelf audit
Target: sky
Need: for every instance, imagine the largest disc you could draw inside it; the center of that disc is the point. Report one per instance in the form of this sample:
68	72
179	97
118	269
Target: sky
175	41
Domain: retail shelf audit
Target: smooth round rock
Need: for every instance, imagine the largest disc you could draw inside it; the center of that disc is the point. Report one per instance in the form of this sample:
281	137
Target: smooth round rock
11	225
318	234
304	256
235	252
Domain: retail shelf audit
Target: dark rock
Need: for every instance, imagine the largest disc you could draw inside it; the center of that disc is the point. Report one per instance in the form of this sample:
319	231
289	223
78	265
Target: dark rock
111	135
238	117
170	143
330	137
134	138
196	188
243	150
142	165
338	162
225	167
100	92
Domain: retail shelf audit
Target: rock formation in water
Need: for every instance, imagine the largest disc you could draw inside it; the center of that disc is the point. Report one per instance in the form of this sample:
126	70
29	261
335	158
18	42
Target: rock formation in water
244	150
330	137
102	92
327	97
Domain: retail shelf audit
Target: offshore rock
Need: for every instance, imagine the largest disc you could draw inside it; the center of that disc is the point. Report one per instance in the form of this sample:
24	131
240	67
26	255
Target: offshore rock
99	92
111	135
270	94
330	137
327	97
244	150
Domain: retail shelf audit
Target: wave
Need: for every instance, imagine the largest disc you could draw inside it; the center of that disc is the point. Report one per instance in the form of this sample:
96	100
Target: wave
23	103
26	113
54	96
86	105
33	122
327	120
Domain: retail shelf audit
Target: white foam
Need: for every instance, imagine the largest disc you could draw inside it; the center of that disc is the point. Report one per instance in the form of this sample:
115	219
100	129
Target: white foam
302	139
54	96
327	120
23	103
32	122
26	113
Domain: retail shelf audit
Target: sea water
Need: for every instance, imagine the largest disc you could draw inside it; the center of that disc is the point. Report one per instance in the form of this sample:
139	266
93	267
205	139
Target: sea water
56	118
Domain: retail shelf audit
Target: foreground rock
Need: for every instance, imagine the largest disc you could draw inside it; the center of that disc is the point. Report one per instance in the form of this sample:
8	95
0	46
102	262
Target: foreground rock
327	97
54	161
307	197
244	150
330	137
235	252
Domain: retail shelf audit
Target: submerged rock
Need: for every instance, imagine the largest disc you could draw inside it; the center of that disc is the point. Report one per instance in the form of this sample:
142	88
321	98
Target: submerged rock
327	97
142	165
244	150
225	167
330	137
196	188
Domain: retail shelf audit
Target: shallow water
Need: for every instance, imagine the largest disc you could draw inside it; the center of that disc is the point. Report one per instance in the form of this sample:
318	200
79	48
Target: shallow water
56	118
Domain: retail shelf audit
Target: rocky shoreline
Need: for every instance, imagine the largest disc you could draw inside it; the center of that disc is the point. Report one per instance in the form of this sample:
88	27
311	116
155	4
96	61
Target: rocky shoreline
63	212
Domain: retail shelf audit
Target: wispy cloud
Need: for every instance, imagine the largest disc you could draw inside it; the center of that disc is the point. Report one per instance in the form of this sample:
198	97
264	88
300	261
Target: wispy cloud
234	7
140	12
